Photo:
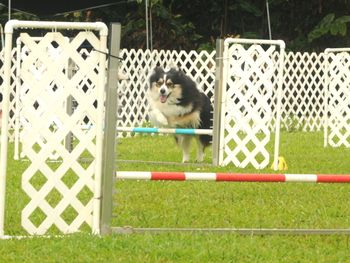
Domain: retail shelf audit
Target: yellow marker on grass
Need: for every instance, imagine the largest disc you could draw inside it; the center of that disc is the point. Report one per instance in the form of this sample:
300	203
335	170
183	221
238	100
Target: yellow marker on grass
282	164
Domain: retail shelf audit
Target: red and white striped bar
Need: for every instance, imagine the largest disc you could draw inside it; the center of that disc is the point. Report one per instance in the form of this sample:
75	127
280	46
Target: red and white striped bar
233	177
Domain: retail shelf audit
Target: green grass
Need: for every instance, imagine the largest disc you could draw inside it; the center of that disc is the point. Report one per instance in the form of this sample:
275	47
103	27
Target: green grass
202	204
303	152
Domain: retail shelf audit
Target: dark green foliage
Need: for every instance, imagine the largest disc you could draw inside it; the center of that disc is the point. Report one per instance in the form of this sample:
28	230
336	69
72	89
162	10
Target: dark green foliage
330	25
195	25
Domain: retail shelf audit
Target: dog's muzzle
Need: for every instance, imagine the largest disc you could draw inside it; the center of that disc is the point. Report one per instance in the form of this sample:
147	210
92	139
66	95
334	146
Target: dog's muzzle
163	95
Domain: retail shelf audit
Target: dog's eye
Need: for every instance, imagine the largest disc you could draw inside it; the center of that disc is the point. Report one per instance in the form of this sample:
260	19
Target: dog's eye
170	84
159	83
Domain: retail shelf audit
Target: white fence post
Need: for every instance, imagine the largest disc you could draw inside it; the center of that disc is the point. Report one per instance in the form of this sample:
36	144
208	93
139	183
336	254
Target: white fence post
4	126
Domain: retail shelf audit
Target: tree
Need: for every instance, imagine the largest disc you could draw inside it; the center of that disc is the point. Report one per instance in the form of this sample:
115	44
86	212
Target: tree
170	31
309	25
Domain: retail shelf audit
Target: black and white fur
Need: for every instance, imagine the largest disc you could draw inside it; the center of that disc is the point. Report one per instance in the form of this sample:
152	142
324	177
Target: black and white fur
175	102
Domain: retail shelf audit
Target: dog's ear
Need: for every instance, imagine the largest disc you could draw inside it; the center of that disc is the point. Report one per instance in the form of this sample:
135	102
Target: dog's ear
170	65
155	74
157	70
167	69
180	72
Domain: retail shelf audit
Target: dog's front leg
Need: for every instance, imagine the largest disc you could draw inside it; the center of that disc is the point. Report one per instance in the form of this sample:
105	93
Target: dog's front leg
185	143
157	118
200	150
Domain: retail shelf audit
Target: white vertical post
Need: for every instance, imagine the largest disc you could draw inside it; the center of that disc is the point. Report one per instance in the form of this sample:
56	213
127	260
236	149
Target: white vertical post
222	102
99	136
326	97
279	104
4	128
17	97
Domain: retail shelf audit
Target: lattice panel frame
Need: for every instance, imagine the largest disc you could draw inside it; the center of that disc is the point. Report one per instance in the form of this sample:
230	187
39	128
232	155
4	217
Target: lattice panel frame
337	124
247	111
57	202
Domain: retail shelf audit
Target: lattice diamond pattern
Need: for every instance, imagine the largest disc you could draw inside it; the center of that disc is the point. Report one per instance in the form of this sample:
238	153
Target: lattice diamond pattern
58	201
303	91
339	99
12	107
248	106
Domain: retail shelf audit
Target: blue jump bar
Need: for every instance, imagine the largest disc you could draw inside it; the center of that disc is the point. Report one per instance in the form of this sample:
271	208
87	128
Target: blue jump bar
145	130
185	131
189	131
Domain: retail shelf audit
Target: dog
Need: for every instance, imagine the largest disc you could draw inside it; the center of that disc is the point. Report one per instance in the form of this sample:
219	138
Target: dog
175	102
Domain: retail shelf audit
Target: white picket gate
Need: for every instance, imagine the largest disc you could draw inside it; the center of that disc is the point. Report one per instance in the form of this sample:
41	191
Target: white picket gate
65	195
337	97
251	93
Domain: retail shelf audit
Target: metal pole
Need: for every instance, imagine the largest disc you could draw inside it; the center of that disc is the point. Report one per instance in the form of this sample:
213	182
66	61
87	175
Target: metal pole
150	28
147	29
268	18
217	99
9	10
239	231
108	172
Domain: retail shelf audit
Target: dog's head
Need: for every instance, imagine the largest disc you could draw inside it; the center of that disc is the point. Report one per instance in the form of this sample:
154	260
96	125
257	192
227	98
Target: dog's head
166	85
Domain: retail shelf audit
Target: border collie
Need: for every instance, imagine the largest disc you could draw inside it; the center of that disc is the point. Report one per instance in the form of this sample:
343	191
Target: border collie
175	102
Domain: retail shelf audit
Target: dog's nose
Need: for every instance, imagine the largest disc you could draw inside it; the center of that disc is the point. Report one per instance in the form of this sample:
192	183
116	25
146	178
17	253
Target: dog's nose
162	91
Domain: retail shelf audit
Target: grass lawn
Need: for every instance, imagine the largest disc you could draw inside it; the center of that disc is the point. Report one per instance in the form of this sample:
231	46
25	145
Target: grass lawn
202	204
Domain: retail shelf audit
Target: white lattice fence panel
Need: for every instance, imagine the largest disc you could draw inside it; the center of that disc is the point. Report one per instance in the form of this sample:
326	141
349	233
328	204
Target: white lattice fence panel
138	66
249	92
61	193
338	98
37	69
303	98
201	67
132	104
